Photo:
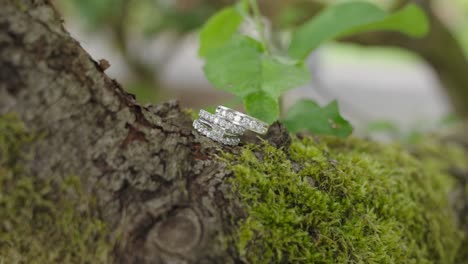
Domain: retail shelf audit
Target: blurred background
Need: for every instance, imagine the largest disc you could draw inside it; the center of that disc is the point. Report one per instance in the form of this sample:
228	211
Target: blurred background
383	82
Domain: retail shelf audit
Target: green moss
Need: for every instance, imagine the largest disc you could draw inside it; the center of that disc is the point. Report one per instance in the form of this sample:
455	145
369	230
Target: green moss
43	221
191	113
343	201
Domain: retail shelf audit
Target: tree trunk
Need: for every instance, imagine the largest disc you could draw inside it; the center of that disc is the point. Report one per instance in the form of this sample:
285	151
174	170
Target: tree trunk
155	181
158	184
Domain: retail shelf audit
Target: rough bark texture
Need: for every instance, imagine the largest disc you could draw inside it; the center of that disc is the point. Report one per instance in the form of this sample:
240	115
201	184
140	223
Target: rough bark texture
158	184
156	181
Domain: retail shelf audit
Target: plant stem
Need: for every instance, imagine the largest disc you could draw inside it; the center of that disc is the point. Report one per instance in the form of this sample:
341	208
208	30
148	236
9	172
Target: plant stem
259	23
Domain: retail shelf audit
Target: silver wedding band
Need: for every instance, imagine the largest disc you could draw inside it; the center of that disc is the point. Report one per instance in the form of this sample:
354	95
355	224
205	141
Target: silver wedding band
227	125
215	133
241	119
230	127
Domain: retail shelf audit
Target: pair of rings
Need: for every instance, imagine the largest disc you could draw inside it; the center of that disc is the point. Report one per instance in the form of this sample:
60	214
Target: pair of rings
227	125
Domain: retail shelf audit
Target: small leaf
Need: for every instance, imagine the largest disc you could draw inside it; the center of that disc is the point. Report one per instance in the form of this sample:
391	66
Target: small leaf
355	17
262	106
306	115
279	77
219	29
236	66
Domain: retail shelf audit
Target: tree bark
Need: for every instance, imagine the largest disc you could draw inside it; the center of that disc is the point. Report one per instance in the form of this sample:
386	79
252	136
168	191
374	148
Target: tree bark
157	183
159	186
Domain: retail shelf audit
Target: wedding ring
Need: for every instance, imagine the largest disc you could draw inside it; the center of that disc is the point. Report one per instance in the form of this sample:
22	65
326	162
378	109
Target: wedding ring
243	120
229	127
216	133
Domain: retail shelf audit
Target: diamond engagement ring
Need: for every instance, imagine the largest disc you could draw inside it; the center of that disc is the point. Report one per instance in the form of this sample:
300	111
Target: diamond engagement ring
227	125
215	133
230	128
238	118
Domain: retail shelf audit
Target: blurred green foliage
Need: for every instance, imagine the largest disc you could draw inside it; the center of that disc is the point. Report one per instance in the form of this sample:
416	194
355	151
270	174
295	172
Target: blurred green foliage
415	134
125	19
131	25
146	16
355	17
98	13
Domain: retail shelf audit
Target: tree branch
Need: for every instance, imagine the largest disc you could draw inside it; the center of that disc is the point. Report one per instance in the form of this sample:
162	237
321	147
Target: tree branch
156	183
159	185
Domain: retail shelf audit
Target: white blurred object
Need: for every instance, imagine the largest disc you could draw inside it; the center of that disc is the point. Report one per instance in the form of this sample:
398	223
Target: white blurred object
185	70
99	46
406	94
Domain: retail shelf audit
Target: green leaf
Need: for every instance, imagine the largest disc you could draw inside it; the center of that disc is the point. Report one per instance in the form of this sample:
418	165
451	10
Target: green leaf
262	106
280	76
240	67
410	20
219	29
306	115
355	17
236	66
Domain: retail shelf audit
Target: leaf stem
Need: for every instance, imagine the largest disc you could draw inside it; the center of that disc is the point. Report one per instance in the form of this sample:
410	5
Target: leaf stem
259	23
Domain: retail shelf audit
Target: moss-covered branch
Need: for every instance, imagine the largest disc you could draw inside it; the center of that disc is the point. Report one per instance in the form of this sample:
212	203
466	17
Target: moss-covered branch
163	191
327	200
320	200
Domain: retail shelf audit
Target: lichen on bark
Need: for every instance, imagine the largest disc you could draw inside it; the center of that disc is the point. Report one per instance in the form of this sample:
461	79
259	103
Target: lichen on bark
44	221
327	200
159	185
